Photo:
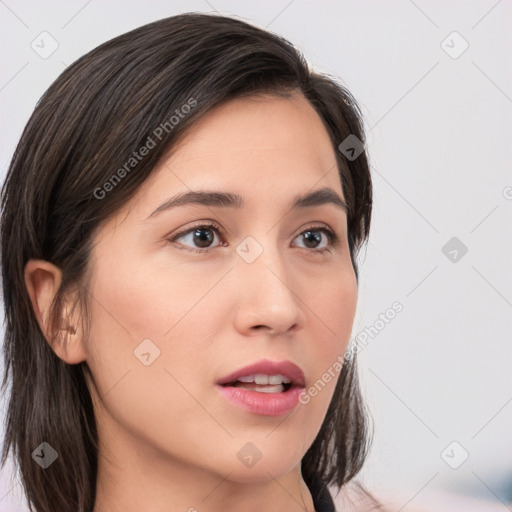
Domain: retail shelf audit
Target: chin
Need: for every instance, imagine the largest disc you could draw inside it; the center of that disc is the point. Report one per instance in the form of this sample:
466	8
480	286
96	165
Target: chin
255	466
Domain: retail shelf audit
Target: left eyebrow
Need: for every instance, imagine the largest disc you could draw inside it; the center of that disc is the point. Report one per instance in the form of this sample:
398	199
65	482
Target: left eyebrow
230	200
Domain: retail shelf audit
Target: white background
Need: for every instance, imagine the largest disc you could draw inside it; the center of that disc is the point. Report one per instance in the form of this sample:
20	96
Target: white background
439	140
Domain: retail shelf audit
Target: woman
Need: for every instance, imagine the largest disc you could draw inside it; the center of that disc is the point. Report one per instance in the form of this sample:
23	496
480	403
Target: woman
180	225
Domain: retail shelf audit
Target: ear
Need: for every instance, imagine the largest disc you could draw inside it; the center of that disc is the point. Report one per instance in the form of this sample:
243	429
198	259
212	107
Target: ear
43	280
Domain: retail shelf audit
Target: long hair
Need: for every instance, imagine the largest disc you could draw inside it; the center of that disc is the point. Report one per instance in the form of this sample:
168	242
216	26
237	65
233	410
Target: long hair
80	144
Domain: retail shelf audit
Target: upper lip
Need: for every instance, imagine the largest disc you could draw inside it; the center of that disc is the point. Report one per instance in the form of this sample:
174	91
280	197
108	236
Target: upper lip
268	367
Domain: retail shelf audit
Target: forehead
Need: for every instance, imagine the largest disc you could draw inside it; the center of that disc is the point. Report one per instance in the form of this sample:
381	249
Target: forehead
259	123
255	139
266	149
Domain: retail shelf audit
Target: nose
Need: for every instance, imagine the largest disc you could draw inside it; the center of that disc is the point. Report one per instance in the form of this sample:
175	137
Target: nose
267	300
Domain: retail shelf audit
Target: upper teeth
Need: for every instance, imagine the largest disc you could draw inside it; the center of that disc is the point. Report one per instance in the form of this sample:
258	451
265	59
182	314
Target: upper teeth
265	379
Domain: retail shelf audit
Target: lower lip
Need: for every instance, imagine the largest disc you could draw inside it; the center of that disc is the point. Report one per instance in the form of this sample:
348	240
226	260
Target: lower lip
266	404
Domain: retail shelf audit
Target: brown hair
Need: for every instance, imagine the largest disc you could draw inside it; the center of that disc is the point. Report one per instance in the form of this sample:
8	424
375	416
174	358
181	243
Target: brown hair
87	126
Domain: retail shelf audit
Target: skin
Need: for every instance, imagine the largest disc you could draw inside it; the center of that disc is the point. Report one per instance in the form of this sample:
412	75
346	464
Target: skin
168	438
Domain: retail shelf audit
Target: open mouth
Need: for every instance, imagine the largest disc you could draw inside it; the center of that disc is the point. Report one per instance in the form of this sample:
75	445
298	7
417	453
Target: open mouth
262	394
268	388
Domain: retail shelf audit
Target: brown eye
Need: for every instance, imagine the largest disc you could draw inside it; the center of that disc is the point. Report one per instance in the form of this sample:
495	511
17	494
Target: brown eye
202	236
198	238
314	238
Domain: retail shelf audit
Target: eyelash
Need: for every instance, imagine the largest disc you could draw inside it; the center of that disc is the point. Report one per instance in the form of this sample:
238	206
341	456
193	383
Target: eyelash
331	235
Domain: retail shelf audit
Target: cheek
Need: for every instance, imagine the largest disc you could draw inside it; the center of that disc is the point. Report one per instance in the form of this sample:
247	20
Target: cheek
333	309
332	313
154	314
140	320
145	298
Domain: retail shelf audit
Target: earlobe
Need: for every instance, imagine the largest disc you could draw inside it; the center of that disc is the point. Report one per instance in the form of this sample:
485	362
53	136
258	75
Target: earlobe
43	280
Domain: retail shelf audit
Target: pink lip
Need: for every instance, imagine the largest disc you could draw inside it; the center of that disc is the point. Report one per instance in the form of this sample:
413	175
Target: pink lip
267	404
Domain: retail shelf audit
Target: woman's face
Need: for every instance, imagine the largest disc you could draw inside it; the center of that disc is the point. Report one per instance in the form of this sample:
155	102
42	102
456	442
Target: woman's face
172	316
